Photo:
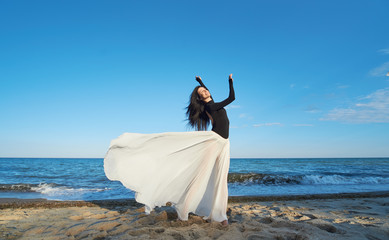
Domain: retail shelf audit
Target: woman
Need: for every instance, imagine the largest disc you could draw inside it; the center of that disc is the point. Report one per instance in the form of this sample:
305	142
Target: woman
202	108
187	169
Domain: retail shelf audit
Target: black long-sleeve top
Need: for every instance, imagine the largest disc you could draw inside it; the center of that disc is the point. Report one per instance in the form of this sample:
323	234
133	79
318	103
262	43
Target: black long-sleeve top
220	123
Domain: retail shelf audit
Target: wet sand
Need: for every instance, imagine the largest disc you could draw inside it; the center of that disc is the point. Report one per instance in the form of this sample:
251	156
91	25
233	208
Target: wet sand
329	216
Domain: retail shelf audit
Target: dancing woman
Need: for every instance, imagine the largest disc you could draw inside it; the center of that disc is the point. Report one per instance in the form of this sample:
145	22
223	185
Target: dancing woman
187	169
202	108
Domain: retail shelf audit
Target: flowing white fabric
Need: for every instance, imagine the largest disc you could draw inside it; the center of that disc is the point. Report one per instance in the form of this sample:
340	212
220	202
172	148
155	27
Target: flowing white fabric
188	169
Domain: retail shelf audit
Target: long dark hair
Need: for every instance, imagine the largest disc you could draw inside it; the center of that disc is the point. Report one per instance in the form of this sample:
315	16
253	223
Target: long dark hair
195	112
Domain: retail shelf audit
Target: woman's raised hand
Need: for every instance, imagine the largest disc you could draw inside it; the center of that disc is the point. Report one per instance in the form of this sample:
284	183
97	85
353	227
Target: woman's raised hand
198	78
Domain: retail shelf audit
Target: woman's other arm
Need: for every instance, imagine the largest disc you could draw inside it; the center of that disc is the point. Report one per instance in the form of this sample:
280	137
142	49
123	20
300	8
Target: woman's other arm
231	97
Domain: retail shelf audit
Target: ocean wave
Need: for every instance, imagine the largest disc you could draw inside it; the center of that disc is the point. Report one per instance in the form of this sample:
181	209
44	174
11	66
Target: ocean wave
20	187
269	179
246	179
343	180
259	178
49	189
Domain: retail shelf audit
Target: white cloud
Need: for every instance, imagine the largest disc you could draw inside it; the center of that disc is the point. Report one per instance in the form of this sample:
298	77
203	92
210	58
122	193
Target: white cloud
267	124
245	116
312	109
372	108
384	51
381	70
232	106
303	125
241	126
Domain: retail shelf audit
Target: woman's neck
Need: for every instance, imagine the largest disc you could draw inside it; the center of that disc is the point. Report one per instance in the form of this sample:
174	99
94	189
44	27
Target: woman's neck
208	99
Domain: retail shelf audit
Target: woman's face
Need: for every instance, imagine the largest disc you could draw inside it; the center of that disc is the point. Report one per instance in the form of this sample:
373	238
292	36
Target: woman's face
203	93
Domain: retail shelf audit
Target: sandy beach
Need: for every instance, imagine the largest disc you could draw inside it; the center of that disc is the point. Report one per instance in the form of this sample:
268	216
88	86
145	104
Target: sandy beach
336	216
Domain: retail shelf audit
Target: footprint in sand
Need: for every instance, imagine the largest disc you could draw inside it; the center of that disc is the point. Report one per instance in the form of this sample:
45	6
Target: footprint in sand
266	220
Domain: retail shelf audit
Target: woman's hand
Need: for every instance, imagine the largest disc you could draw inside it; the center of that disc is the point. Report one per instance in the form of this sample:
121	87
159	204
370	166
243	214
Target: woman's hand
198	78
230	77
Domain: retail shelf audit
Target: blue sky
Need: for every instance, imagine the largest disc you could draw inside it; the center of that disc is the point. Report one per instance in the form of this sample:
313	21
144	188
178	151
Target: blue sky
309	76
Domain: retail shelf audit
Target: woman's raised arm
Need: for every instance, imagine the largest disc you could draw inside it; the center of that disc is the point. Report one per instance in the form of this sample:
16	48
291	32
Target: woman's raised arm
231	97
198	79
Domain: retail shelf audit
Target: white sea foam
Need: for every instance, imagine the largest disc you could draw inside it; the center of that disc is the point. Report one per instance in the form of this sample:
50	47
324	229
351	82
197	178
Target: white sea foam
340	180
53	190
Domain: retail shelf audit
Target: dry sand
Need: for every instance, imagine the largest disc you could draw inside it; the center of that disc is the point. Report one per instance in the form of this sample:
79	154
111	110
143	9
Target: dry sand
322	217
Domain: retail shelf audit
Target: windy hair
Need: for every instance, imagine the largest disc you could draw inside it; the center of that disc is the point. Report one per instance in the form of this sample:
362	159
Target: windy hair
195	112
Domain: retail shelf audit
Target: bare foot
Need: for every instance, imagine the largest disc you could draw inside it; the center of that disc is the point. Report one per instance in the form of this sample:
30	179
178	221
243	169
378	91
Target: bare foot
225	223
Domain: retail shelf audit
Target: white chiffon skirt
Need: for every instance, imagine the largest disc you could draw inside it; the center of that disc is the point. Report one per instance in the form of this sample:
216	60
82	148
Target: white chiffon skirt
187	169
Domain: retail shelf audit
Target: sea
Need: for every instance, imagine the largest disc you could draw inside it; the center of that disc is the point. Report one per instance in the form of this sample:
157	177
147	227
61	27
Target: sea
84	178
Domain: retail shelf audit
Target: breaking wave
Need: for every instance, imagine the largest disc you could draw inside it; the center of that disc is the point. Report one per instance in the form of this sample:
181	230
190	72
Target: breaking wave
268	179
49	189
